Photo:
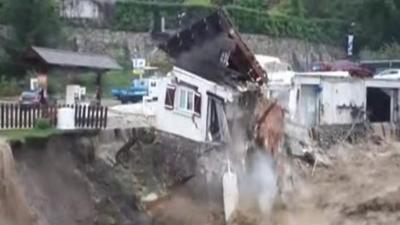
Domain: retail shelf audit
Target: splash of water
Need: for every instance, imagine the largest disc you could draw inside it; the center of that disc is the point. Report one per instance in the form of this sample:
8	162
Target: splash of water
259	187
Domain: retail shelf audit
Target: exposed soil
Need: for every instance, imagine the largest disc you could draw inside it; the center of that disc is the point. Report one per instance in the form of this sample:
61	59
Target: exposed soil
360	186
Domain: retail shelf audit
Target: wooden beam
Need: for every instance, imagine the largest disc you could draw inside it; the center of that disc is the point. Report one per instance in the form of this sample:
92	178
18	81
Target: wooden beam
99	76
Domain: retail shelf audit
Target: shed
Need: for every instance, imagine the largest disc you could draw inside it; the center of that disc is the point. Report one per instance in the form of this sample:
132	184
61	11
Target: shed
43	59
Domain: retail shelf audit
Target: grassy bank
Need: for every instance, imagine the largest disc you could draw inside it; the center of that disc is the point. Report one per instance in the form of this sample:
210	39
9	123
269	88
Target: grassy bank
23	134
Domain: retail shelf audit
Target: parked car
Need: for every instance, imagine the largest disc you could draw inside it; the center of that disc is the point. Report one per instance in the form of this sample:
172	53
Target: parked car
140	88
392	74
29	99
134	93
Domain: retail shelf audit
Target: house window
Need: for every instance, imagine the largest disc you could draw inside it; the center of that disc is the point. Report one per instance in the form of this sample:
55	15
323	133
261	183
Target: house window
170	97
189	101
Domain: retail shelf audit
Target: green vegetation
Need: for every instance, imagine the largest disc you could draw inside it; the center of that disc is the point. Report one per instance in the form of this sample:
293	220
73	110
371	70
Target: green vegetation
22	135
198	2
136	16
117	79
42	124
32	23
387	51
110	80
10	86
326	21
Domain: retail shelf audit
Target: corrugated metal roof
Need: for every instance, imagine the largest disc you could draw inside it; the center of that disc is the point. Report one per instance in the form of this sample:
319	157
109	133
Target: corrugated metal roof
76	59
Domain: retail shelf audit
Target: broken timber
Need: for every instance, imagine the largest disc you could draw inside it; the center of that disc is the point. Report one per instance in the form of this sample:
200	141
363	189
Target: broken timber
213	41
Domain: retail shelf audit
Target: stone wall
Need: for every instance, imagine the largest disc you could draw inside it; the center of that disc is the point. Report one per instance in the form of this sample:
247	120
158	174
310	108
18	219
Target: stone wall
296	52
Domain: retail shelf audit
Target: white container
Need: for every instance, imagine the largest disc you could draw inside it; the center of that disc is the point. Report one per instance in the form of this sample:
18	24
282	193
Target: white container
73	94
230	193
66	119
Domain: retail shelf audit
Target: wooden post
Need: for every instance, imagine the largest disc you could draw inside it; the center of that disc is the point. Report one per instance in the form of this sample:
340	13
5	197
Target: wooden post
83	119
7	118
99	75
2	115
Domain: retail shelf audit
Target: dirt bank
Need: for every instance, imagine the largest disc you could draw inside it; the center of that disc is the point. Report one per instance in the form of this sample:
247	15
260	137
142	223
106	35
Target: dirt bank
100	178
56	185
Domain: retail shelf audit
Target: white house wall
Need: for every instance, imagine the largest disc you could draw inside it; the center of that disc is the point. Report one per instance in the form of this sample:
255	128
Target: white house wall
336	97
342	93
181	123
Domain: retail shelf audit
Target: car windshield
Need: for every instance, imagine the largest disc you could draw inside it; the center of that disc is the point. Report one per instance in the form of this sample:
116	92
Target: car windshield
28	95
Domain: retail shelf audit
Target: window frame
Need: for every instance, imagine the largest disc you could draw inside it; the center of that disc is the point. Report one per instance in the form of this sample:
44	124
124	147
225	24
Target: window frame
186	100
193	107
170	95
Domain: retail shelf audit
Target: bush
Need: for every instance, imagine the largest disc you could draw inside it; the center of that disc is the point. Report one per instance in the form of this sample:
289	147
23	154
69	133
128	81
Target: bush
387	51
10	87
139	16
42	124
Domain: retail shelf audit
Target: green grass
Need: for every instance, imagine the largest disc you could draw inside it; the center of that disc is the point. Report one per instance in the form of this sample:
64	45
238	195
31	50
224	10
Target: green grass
198	2
22	134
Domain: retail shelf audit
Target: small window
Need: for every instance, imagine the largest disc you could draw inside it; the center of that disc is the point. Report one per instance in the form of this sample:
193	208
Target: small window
183	99
153	84
190	101
170	97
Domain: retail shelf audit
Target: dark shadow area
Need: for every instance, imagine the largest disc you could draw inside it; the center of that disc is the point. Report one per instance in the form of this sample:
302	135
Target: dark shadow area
378	105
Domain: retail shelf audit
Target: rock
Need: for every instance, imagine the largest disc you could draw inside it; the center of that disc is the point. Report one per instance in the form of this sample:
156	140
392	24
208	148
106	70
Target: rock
146	135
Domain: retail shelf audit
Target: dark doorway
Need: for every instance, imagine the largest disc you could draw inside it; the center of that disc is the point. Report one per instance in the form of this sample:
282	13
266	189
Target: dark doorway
378	104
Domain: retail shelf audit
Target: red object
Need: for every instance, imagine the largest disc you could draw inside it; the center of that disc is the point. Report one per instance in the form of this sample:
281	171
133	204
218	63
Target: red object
353	68
321	66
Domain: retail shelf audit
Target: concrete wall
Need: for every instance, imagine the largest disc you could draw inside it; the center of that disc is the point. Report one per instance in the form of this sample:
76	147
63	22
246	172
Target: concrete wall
296	52
83	9
342	93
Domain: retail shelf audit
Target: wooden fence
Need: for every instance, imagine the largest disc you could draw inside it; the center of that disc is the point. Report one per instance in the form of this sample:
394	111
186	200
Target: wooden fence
15	116
91	116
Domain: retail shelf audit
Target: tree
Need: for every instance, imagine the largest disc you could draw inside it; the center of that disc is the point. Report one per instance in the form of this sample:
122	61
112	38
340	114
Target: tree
255	4
33	22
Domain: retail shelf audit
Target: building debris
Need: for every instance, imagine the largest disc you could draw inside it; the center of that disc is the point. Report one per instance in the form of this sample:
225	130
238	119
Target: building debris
212	48
214	69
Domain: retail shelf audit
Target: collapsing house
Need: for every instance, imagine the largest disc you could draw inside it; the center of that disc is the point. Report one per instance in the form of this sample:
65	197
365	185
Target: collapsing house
211	64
